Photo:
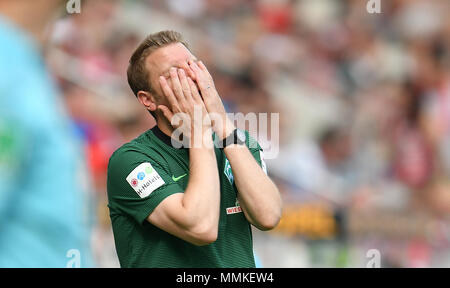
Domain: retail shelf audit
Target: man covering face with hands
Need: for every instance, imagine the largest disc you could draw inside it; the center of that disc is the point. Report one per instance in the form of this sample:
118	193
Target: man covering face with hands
186	192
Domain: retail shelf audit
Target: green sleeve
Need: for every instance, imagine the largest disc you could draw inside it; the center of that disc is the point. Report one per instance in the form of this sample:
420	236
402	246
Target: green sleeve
137	183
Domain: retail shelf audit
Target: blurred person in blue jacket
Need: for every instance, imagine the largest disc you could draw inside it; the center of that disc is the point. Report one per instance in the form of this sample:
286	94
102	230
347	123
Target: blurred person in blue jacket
42	206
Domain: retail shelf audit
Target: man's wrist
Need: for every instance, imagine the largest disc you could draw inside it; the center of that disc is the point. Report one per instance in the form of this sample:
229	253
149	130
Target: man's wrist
227	129
202	139
237	137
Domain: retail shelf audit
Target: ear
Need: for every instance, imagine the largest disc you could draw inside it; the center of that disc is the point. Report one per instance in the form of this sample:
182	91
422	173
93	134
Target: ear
147	99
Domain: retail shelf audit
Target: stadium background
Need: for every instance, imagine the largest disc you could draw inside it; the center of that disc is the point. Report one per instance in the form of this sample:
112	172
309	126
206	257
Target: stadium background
364	104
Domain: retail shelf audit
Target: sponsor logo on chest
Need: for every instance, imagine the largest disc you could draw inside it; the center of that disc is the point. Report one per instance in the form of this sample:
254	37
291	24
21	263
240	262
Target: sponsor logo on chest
236	209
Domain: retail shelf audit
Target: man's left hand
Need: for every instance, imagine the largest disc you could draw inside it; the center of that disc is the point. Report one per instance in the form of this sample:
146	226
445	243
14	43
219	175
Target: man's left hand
222	125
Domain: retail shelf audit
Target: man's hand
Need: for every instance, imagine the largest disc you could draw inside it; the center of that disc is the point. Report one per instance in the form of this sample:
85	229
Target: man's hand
222	125
260	203
193	215
185	103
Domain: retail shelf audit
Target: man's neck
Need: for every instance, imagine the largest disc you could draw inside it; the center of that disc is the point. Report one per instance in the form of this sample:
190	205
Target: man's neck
165	127
163	130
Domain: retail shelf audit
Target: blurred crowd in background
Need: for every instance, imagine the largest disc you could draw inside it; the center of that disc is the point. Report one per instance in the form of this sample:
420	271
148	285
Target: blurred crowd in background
363	101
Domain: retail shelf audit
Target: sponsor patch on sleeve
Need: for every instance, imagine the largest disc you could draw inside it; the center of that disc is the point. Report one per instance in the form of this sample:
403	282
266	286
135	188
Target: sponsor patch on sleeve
144	179
263	163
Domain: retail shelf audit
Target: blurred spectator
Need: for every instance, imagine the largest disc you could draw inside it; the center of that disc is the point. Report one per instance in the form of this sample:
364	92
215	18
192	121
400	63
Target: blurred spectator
43	207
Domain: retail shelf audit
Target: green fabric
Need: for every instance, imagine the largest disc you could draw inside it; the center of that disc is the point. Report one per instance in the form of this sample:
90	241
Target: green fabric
141	244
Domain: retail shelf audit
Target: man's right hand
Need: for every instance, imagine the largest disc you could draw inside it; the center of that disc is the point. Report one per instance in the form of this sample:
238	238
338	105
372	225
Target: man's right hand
187	111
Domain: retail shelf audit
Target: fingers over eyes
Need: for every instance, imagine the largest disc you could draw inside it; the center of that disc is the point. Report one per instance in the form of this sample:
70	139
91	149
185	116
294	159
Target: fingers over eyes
184	84
194	91
168	92
190	71
176	85
181	90
195	67
200	77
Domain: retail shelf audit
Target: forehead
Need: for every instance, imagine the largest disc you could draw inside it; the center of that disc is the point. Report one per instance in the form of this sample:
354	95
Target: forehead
172	55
